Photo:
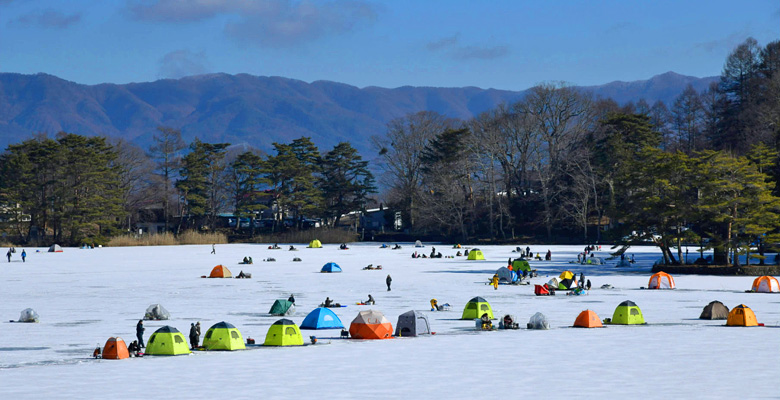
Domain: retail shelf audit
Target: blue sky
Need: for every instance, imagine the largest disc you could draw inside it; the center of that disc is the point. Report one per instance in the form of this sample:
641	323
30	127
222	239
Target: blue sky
500	44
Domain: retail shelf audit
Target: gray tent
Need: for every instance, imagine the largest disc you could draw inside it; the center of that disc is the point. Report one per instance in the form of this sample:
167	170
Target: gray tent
715	310
28	315
412	323
157	312
55	248
506	276
538	321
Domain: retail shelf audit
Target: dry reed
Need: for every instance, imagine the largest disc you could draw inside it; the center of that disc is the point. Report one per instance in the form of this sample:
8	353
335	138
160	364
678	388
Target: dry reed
168	239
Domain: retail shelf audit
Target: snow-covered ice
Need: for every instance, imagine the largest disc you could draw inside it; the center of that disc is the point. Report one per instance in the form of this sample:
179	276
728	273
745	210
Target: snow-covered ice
85	296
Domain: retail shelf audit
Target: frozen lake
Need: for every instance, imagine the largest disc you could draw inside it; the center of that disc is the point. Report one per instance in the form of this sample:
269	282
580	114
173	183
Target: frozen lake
85	296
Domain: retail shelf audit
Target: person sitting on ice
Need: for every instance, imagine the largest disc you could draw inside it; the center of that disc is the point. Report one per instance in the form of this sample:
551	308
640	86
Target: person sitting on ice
96	353
458	254
292	248
343	246
487	324
548	256
133	349
370	300
328	302
396	247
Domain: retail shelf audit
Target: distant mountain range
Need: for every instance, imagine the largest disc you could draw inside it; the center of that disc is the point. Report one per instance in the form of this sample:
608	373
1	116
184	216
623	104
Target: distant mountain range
257	111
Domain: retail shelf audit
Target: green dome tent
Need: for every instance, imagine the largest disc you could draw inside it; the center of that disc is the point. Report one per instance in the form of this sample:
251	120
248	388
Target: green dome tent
282	307
627	313
476	254
167	341
223	336
476	307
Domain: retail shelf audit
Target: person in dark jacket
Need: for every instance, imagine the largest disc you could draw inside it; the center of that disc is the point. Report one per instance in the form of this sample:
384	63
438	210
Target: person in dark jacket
370	300
139	333
388	281
291	299
133	349
193	336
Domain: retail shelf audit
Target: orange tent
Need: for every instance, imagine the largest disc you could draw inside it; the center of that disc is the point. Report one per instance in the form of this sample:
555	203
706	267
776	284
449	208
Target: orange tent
588	319
742	315
661	280
766	284
370	324
115	349
220	271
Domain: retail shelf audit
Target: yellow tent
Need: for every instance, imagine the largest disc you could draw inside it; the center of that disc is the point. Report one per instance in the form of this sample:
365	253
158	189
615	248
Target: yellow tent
476	307
283	333
223	336
167	341
476	254
742	315
315	244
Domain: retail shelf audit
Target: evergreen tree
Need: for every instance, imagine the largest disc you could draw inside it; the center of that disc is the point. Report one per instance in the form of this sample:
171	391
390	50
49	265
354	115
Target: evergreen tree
248	171
346	181
201	182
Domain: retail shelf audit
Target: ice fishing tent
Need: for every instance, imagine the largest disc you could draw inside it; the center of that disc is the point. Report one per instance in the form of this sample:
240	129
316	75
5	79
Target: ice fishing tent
476	307
370	324
588	319
331	267
538	321
156	312
412	323
541	290
623	263
315	244
521	265
476	254
627	313
567	280
115	349
282	307
741	315
661	280
55	248
418	244
28	315
283	333
322	318
223	336
167	341
765	284
715	310
506	276
220	271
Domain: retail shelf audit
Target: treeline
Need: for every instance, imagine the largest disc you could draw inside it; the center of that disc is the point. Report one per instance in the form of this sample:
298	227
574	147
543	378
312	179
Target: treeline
702	170
75	189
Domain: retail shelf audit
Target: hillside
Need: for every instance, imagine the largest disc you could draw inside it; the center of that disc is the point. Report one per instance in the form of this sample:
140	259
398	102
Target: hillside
256	110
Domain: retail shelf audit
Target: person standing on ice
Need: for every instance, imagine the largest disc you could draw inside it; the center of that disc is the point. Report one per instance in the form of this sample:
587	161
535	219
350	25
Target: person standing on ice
193	337
388	281
494	282
139	333
24	255
8	255
214	248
